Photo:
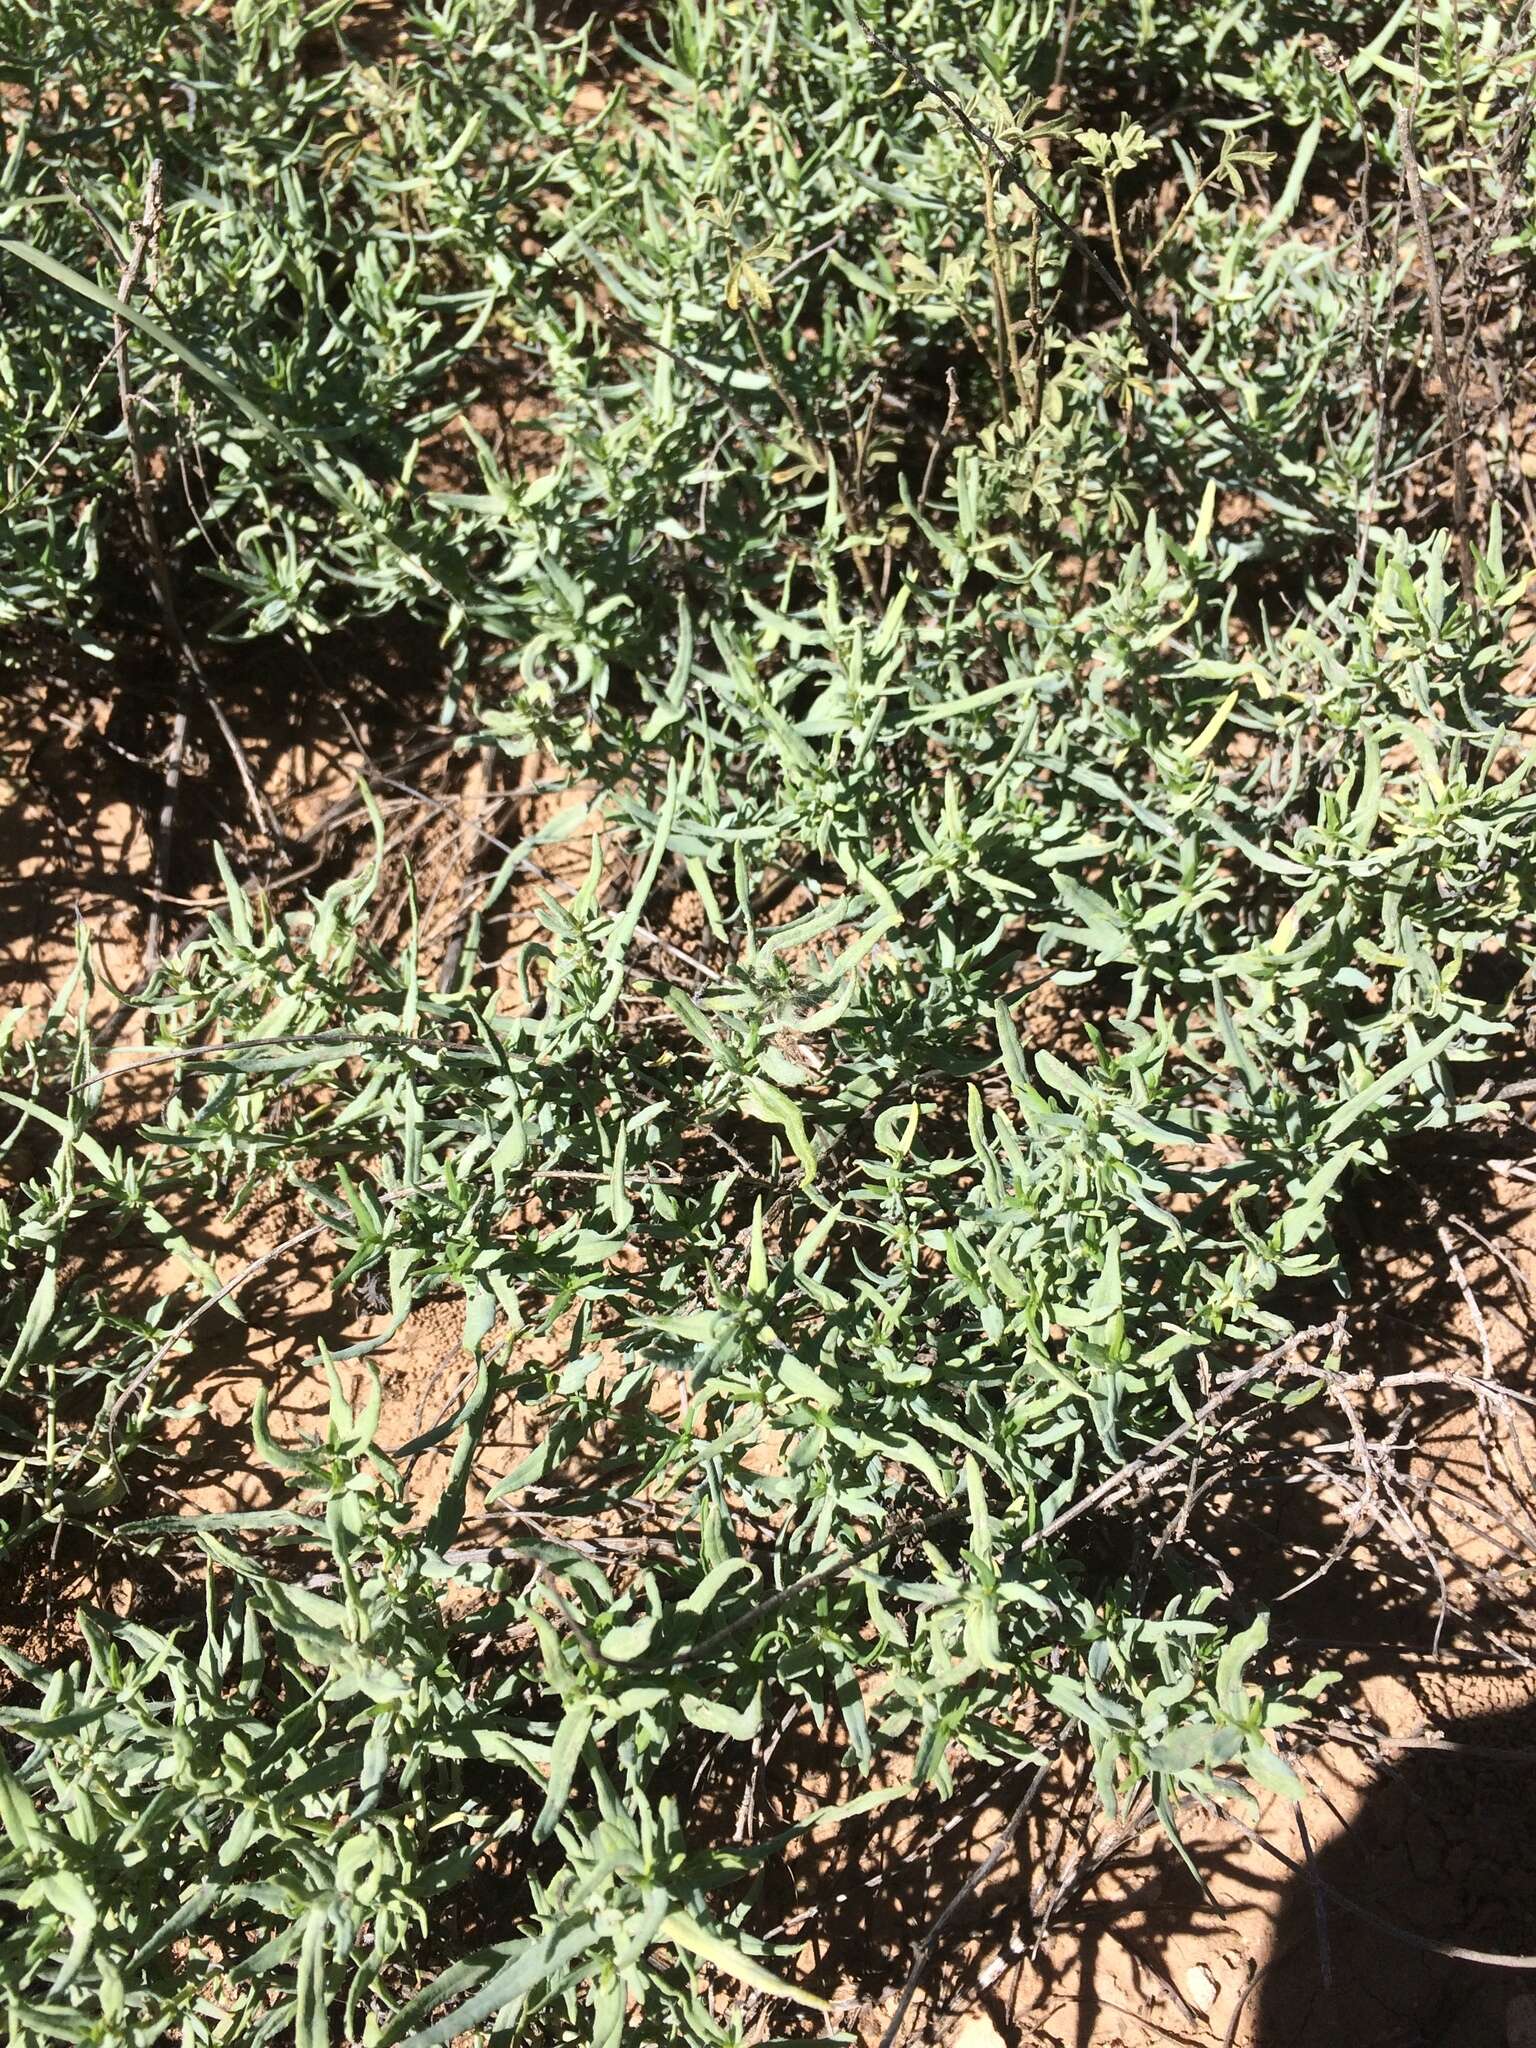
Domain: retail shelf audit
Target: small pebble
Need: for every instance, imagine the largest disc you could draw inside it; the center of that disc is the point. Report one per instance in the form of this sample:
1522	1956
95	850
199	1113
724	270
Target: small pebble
1201	1988
976	2030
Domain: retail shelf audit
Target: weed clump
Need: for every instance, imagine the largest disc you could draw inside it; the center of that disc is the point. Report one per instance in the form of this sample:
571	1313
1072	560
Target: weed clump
1055	809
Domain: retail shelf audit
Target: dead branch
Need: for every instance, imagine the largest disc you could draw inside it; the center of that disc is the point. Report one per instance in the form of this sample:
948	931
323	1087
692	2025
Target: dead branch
923	1954
159	566
1450	387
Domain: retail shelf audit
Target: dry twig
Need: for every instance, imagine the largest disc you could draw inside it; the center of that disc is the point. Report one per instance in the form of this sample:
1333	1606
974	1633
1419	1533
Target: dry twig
923	1955
1450	387
150	221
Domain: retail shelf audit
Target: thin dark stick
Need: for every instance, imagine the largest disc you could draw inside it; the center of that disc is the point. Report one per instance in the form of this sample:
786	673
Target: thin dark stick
923	1954
159	567
1450	388
1371	341
483	801
1161	344
1434	1745
127	283
951	415
208	1053
1064	47
1488	1959
1229	2038
1126	1480
165	832
1319	1904
167	1345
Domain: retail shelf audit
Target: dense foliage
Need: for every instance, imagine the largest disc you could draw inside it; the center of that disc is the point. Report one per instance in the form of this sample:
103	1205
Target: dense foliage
1043	841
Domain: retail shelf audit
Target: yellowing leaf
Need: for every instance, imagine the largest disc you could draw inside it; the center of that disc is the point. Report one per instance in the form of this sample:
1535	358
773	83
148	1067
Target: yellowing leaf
1211	727
686	1933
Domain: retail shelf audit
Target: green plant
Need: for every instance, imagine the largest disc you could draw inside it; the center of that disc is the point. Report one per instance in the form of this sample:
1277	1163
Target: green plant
1093	819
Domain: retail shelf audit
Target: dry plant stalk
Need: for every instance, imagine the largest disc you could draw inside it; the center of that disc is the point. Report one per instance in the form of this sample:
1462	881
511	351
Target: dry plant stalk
151	220
1450	387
